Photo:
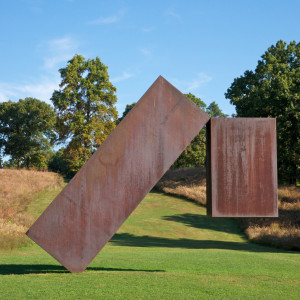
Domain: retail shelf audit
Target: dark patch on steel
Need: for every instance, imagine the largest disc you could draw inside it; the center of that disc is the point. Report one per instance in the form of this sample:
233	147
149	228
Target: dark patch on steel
242	168
96	202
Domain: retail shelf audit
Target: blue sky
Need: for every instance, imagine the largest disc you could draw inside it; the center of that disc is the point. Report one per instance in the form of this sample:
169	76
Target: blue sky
199	46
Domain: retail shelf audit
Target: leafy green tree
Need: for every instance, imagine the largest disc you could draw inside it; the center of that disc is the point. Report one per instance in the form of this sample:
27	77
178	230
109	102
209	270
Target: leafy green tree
59	164
126	111
194	154
196	100
85	108
273	90
2	142
27	131
214	111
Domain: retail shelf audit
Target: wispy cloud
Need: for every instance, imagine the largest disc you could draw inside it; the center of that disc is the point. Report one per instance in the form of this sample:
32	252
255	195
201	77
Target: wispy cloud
195	83
6	92
41	90
148	29
109	19
146	52
174	15
53	53
58	50
35	6
123	76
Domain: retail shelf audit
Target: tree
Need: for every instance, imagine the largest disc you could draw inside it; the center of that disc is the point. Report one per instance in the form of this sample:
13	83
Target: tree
2	140
59	164
126	111
85	108
27	131
272	90
196	100
214	111
194	154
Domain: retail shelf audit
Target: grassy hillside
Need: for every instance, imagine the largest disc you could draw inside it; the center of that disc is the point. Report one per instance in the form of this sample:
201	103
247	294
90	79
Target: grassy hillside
18	189
167	249
282	232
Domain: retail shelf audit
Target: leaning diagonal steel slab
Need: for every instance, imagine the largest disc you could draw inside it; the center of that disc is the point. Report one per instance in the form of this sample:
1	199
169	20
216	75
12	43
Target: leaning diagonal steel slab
91	208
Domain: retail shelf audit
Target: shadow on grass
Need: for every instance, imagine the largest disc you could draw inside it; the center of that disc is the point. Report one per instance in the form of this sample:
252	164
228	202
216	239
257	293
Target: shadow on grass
228	225
130	240
204	222
161	193
43	269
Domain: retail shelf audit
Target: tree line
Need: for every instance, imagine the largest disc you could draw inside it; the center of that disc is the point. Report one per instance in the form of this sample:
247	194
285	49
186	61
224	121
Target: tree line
84	114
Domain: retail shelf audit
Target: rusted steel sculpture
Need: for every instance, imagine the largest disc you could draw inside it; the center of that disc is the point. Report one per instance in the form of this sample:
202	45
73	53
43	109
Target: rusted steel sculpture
91	208
242	168
241	173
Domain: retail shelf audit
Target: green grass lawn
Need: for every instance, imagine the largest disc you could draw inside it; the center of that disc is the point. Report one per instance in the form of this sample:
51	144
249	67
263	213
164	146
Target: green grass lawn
167	249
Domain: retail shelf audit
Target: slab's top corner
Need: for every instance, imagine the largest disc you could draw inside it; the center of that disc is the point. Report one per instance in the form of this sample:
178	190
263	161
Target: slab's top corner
160	78
160	82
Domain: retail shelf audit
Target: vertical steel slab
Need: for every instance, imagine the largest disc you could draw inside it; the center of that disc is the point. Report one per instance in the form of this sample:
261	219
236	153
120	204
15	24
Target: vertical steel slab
242	167
91	208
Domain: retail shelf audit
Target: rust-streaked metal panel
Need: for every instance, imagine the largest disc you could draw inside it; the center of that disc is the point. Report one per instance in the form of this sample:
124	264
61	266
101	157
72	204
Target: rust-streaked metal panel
242	167
91	208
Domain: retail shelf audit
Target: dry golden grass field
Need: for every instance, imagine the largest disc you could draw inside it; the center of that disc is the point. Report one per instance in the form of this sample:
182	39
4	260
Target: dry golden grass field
282	232
18	188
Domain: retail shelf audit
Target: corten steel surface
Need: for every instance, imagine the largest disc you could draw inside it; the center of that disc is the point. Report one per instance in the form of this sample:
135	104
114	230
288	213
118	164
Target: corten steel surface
91	208
242	167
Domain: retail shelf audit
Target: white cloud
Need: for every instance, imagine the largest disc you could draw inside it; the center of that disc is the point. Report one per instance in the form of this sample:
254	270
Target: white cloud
35	6
6	92
146	52
124	76
53	52
41	90
148	29
174	15
58	50
108	20
197	82
187	86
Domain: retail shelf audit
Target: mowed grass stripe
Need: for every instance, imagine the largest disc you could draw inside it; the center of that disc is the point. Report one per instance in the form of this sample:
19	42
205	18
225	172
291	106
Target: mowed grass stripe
167	249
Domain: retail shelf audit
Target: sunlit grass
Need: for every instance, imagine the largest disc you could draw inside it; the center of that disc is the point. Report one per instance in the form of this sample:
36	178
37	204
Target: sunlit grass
167	249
